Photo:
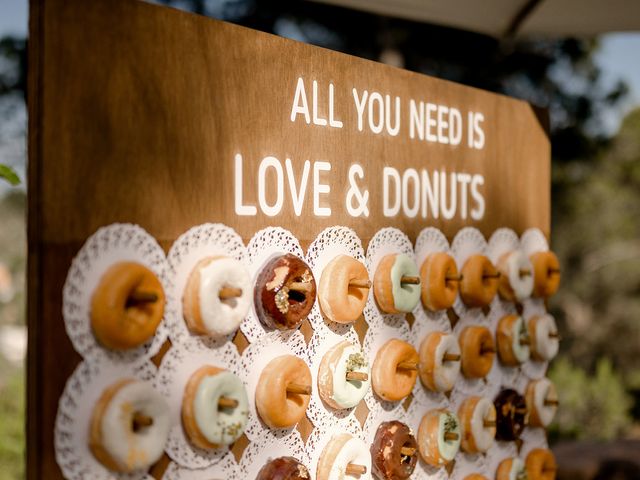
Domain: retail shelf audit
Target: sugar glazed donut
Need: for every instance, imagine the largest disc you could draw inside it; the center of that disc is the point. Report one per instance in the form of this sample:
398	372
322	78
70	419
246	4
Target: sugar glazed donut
129	426
396	284
439	281
478	424
344	457
513	340
545	340
439	437
127	306
542	402
215	408
284	468
394	451
439	361
343	376
479	282
511	469
395	370
511	415
541	465
516	276
283	391
217	296
344	288
546	274
478	351
284	293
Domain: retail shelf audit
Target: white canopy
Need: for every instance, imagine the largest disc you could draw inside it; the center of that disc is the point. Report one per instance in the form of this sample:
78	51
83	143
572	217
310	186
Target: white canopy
501	18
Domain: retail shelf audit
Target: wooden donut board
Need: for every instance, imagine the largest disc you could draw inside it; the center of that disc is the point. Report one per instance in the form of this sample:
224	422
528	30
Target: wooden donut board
137	113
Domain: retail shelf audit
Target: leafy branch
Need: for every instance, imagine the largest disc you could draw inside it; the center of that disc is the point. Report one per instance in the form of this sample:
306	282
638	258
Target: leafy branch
7	173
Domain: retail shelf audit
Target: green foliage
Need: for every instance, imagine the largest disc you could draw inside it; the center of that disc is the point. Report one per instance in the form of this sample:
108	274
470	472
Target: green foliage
8	174
12	437
594	407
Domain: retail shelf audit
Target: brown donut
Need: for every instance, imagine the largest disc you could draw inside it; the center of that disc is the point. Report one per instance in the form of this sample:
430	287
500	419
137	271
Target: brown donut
394	451
439	280
478	351
511	415
546	273
541	464
479	282
285	292
389	380
284	468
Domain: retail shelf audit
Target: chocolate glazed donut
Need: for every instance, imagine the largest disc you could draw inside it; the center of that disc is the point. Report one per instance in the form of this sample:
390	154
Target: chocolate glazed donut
394	452
511	415
285	292
284	468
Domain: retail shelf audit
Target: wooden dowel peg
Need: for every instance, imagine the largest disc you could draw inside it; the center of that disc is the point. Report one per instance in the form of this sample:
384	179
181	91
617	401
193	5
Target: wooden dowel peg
299	389
300	286
492	275
525	272
140	420
229	292
360	283
408	451
451	436
405	279
489	423
520	411
360	376
451	357
354	469
554	335
551	402
525	341
553	271
487	349
453	278
226	402
140	296
407	365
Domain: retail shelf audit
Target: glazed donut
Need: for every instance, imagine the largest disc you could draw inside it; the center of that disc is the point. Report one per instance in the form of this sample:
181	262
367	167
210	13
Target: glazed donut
217	296
396	284
439	281
344	457
395	370
542	402
283	391
511	469
511	415
439	437
516	276
394	451
546	274
208	422
478	351
343	376
513	340
475	476
127	306
284	293
284	468
129	426
478	424
545	340
344	289
541	465
479	282
439	361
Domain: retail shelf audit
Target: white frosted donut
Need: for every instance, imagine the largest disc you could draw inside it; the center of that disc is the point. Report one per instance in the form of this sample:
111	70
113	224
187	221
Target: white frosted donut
511	333
341	451
223	316
520	350
538	395
333	384
473	413
543	332
435	373
131	450
511	265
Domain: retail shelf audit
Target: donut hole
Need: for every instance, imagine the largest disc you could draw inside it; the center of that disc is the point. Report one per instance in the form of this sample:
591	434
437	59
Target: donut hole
406	459
140	422
296	399
231	302
296	297
359	294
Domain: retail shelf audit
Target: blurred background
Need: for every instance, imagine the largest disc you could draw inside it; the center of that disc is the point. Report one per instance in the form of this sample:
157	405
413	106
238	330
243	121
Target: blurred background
591	88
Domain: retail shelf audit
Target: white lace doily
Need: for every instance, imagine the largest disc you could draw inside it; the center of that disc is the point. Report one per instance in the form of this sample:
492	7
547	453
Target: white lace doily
319	439
226	469
177	366
378	416
118	242
202	241
272	446
468	241
266	244
498	452
73	420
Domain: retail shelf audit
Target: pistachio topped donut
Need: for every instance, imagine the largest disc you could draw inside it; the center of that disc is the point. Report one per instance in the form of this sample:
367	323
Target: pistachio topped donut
439	437
541	464
477	350
396	284
439	281
394	451
215	408
284	468
345	457
545	340
283	391
129	426
511	469
513	340
478	424
439	361
516	276
344	288
284	293
542	402
343	376
546	274
395	370
127	306
217	296
511	415
479	282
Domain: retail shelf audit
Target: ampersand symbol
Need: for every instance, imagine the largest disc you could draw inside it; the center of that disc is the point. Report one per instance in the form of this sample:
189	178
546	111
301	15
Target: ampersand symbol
362	198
